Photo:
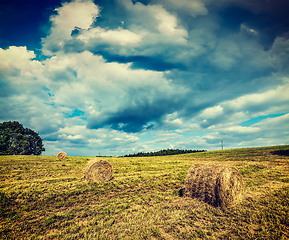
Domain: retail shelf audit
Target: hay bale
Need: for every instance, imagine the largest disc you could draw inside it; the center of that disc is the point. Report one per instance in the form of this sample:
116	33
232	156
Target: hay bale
217	185
98	170
62	155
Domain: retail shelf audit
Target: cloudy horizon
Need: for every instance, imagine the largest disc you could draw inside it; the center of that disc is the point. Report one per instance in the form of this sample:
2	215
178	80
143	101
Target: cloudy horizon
117	77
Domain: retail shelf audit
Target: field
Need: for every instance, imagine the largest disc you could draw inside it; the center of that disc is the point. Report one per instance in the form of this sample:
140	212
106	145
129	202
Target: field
42	197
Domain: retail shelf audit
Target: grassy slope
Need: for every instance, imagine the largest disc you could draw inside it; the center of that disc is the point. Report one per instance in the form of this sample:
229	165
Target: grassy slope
42	197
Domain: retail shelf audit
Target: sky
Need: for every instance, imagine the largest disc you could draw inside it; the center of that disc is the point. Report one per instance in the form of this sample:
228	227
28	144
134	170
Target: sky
114	77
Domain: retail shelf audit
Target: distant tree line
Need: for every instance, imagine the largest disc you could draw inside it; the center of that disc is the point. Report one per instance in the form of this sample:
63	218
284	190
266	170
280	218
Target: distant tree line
163	152
17	140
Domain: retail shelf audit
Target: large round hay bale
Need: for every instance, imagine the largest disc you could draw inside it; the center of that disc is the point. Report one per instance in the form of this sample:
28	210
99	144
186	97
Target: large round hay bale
98	170
62	155
215	184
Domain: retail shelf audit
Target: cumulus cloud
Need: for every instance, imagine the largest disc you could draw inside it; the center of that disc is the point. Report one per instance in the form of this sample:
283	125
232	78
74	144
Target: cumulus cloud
78	14
234	112
147	28
267	132
138	77
119	36
168	25
274	129
266	102
107	94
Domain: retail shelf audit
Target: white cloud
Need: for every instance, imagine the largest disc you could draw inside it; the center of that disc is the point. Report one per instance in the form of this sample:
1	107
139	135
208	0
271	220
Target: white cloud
16	58
155	23
275	123
212	112
271	131
222	122
240	130
172	121
163	139
119	36
268	102
191	7
80	141
77	13
20	74
80	81
168	25
102	86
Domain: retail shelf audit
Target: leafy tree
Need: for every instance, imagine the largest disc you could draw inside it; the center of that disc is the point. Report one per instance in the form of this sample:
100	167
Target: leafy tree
17	140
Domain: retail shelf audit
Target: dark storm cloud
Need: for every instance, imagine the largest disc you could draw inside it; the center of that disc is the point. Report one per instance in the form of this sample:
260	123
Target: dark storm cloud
269	18
145	113
143	62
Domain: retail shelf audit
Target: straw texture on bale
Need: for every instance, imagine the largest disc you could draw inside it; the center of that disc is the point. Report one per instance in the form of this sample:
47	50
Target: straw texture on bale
217	185
98	170
62	155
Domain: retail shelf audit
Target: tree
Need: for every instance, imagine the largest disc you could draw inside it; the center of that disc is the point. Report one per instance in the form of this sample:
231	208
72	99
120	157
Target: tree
17	140
163	152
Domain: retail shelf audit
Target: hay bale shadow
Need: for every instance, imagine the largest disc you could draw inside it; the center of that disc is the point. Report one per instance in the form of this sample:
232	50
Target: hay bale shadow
182	192
281	152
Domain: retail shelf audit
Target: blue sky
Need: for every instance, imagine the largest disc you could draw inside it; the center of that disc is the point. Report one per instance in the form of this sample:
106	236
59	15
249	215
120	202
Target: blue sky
122	76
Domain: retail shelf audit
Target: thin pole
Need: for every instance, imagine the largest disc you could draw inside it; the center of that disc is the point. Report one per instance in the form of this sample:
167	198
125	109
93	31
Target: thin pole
222	144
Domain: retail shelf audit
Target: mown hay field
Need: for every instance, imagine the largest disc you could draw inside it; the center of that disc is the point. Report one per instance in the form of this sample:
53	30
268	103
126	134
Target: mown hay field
42	197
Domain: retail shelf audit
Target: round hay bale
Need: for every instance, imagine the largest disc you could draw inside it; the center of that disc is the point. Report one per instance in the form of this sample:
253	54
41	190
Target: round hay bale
220	186
98	170
62	155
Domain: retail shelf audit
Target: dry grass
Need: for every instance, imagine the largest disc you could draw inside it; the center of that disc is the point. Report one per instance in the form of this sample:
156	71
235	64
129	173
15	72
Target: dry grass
98	170
218	185
42	197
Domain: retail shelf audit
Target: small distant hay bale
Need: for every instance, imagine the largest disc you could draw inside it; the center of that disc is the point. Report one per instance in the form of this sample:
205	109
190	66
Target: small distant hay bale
98	170
115	156
62	155
220	186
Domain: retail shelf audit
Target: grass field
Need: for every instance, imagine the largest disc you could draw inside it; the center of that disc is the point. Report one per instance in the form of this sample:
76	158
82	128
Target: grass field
42	197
